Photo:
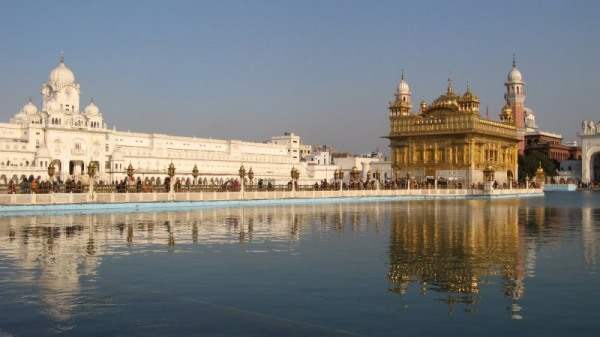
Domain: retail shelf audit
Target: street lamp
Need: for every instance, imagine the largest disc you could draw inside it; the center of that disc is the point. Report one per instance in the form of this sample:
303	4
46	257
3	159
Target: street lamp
250	175
339	176
91	169
195	173
130	171
51	171
354	174
377	177
171	171
295	175
242	174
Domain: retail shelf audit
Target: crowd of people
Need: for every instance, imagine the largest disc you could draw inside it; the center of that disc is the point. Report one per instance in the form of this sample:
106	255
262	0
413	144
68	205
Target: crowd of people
32	184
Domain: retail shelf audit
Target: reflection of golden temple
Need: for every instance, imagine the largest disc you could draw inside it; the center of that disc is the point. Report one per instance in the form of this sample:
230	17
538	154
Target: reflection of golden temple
454	247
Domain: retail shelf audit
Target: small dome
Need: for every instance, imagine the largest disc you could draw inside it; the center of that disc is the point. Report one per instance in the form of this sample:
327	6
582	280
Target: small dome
403	87
91	109
514	76
62	74
30	108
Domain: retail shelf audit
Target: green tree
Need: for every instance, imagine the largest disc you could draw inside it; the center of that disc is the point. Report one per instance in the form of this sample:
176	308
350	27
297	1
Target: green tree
528	164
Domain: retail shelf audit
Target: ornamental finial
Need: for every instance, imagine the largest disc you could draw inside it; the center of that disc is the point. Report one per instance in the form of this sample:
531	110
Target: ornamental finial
449	91
468	86
62	56
402	76
514	60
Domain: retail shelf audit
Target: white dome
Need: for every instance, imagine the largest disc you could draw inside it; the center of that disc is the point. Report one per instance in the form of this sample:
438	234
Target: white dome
514	76
92	109
403	87
62	74
30	108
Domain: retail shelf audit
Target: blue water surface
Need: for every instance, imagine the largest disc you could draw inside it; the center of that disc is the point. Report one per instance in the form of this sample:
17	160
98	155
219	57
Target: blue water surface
388	268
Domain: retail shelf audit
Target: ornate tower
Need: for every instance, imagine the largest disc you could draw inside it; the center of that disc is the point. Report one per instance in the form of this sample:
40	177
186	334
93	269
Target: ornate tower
515	99
402	103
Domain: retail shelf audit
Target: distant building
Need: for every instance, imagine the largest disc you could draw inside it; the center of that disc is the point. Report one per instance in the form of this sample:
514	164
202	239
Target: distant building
590	152
70	138
295	147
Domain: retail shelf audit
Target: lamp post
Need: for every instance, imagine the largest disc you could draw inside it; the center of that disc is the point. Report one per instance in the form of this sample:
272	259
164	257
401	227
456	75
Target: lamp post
91	169
242	174
251	176
295	175
171	174
339	176
195	174
354	174
51	172
130	172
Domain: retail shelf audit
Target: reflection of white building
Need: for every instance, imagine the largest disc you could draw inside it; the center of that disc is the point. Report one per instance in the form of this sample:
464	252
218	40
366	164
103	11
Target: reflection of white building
71	138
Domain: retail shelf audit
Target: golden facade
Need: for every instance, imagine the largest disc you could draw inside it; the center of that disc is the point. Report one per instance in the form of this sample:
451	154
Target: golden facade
449	139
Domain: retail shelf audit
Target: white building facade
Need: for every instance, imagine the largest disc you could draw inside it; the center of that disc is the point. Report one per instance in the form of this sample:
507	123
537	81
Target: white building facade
61	133
590	152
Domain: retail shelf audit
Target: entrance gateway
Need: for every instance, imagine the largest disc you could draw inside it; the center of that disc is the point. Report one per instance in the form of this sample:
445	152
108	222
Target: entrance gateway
590	151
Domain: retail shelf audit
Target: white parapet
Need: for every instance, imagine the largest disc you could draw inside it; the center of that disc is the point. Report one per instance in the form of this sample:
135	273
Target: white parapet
11	202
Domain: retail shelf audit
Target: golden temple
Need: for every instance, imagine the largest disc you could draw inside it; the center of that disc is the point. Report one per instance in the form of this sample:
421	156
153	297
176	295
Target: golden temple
450	140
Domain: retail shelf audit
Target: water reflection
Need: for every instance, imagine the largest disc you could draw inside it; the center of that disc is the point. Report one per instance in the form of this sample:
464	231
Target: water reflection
457	251
451	249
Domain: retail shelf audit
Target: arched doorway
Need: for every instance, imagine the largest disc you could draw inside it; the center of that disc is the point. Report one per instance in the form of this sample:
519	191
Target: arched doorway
595	167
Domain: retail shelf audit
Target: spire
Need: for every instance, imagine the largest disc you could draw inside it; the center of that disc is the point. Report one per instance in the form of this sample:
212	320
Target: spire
449	90
62	56
468	86
402	76
514	63
30	99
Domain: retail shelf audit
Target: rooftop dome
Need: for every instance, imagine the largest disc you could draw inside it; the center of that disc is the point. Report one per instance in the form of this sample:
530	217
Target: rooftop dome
403	87
62	74
91	109
30	108
514	76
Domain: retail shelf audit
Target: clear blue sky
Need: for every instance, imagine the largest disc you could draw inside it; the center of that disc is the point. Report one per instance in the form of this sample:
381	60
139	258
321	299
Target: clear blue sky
323	69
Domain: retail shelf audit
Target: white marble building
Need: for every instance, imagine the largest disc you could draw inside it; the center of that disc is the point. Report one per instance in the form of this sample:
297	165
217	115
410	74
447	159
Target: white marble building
590	151
71	138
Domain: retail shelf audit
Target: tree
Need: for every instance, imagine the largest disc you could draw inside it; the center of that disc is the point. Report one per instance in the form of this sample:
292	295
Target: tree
529	163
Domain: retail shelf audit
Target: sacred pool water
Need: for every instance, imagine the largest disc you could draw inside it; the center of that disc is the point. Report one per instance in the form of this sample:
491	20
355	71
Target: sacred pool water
454	268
